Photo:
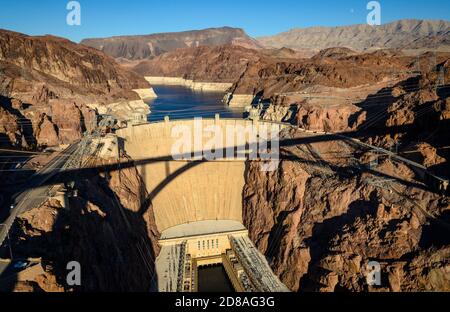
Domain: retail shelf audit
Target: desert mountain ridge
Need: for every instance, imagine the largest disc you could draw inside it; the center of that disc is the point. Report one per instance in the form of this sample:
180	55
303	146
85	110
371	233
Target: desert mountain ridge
400	34
148	46
405	34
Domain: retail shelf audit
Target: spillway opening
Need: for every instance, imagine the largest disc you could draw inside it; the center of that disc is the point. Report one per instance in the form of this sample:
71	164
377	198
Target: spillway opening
208	256
214	278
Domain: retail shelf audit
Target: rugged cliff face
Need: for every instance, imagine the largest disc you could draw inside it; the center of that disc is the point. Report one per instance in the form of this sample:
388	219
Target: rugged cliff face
345	69
264	73
45	80
321	220
419	109
211	64
10	132
41	68
103	229
60	121
409	114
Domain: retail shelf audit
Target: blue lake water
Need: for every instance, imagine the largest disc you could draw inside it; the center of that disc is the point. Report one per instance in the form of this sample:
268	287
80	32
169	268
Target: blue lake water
179	102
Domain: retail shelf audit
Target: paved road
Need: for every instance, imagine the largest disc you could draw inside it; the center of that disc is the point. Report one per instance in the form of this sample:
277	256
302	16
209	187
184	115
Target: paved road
35	194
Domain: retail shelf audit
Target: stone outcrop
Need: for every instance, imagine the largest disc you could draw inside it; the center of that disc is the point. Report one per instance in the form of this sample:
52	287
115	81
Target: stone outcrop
283	113
429	154
328	118
266	73
10	131
45	131
71	120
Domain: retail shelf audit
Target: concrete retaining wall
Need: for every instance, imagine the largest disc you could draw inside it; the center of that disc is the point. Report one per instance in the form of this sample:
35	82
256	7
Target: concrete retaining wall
145	94
240	100
195	85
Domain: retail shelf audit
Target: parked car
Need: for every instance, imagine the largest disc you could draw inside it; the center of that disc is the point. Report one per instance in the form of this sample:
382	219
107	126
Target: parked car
20	265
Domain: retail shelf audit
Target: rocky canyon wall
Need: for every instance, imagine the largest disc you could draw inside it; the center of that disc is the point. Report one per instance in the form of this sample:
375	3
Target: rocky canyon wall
108	228
408	114
320	220
47	83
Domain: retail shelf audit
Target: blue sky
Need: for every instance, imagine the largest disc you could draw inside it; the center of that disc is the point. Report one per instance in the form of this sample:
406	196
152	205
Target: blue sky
102	18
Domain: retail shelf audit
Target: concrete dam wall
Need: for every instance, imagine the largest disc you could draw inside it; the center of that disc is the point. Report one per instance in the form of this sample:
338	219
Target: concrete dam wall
184	191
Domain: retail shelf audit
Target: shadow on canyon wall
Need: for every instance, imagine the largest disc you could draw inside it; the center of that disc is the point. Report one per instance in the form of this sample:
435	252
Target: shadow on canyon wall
85	173
427	126
110	241
24	123
323	232
432	234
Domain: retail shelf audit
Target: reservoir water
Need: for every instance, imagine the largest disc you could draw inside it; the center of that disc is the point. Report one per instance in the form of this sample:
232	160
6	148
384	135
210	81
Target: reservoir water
179	102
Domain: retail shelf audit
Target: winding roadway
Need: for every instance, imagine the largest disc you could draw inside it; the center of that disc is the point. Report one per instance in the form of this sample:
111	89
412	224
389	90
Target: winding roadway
35	194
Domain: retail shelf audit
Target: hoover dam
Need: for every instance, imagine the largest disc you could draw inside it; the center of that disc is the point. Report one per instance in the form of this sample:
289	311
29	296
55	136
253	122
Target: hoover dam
198	215
211	161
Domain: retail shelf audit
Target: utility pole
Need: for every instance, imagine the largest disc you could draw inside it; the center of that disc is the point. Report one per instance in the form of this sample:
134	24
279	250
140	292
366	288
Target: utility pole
418	64
10	247
9	243
433	61
440	81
